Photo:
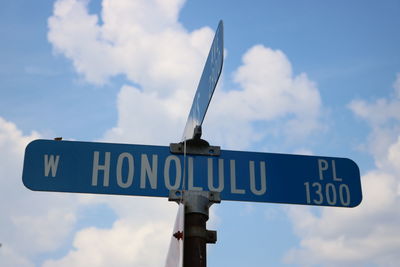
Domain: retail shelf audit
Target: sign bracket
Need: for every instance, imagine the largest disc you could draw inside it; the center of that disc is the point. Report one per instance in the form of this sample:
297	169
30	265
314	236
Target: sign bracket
196	205
195	234
195	146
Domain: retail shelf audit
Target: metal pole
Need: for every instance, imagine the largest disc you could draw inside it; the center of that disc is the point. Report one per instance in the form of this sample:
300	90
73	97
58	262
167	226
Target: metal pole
196	236
194	245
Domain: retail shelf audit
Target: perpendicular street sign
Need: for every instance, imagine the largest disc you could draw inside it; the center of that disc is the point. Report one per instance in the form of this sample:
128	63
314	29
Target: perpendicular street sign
208	82
142	170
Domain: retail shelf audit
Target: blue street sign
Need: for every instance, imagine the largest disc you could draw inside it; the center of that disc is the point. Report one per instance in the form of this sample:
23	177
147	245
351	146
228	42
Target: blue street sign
105	168
208	82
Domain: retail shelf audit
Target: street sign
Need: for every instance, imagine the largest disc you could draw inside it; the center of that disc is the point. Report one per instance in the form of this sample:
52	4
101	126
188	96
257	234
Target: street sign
142	170
208	82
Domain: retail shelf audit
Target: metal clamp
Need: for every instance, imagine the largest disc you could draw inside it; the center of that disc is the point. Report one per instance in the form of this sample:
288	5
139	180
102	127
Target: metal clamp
209	235
195	146
195	201
206	150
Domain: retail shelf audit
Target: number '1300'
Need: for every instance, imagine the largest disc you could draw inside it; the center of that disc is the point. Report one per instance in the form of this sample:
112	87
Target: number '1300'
329	192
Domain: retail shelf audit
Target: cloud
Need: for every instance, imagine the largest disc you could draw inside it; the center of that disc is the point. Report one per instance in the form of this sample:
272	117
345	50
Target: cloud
26	217
165	60
81	40
10	258
268	92
396	86
142	40
394	154
122	245
271	89
146	118
383	116
368	234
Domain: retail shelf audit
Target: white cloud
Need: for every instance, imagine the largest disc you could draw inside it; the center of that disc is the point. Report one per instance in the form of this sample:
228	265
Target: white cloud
10	258
12	140
271	89
368	234
37	227
142	40
388	110
396	86
269	92
26	217
122	245
394	154
160	55
146	118
81	41
383	116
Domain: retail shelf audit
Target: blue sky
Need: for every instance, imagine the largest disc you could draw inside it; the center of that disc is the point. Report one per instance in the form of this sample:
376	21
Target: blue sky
306	77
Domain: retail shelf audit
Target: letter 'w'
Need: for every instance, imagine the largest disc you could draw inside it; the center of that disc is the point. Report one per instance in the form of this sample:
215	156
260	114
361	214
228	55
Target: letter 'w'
50	165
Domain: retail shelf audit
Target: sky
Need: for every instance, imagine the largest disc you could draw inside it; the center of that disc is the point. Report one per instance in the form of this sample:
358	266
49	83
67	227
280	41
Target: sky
299	77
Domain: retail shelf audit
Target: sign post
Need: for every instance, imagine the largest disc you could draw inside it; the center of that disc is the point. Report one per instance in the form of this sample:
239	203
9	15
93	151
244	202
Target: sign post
196	204
192	172
196	236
